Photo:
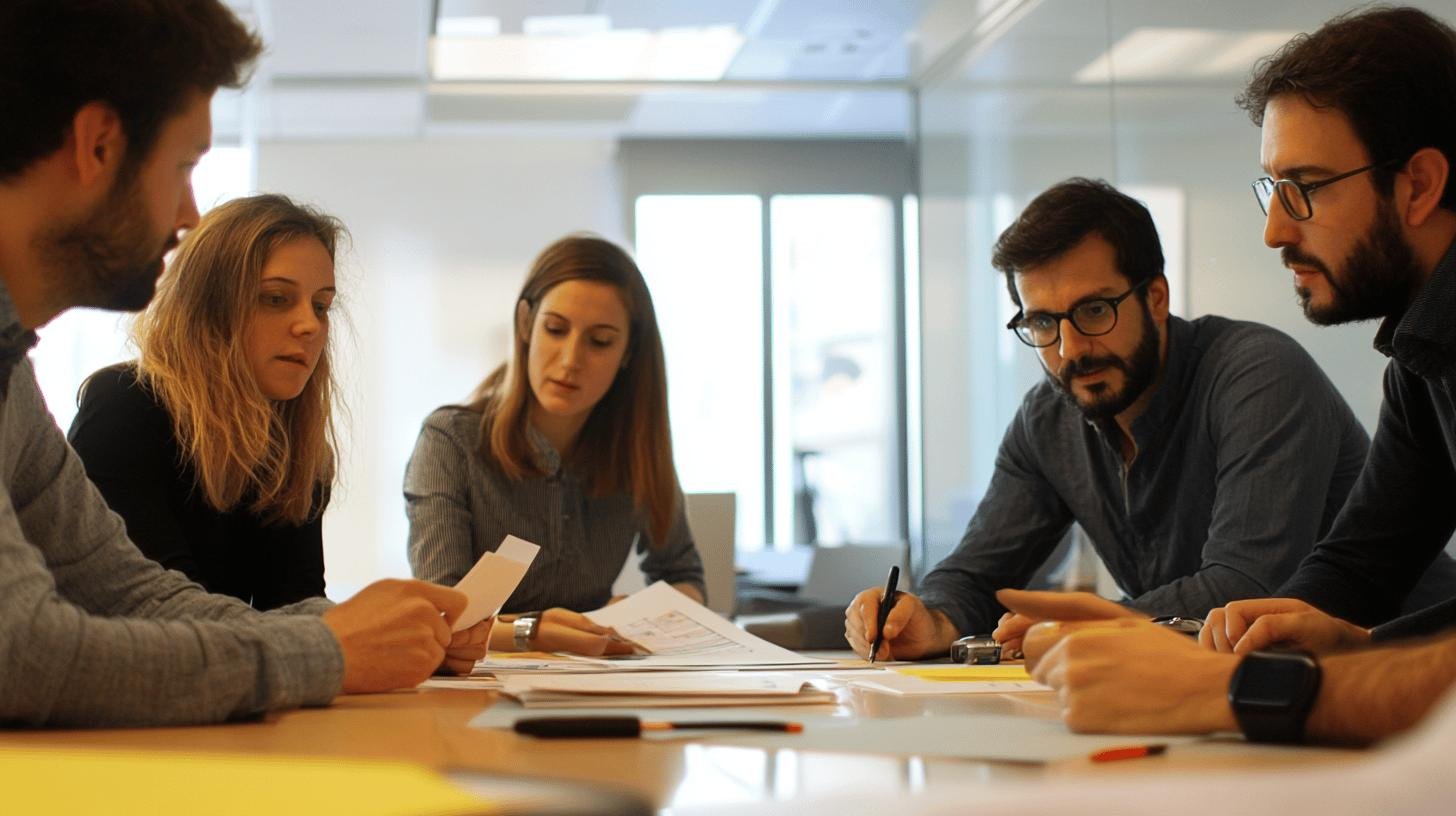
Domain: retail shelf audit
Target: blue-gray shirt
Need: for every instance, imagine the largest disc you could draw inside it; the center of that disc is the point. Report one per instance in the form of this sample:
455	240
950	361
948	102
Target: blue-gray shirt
1244	455
460	508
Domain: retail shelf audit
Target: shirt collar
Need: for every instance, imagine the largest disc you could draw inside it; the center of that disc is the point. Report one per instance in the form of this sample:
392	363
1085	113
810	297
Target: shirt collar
15	340
1423	337
547	458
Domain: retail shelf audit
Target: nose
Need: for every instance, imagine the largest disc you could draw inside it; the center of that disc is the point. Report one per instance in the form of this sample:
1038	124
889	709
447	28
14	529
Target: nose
306	322
573	351
1073	343
1279	228
187	215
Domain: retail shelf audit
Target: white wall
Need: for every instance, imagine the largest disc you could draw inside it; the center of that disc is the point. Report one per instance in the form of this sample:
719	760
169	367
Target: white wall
443	232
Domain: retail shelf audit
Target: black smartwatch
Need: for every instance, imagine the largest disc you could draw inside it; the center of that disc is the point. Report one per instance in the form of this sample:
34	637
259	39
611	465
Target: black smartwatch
1272	693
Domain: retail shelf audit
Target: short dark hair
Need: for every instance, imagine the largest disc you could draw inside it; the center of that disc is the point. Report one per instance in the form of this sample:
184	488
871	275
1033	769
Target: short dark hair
1061	217
1391	71
144	58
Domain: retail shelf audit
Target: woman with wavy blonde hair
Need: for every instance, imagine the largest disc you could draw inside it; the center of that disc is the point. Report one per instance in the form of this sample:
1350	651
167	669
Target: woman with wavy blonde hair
566	445
216	446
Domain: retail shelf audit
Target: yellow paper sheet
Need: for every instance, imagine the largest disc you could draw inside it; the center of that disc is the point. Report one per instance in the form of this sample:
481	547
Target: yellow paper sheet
125	782
967	674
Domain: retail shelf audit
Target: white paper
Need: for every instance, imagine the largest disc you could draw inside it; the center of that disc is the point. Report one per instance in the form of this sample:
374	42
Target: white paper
661	689
681	632
493	578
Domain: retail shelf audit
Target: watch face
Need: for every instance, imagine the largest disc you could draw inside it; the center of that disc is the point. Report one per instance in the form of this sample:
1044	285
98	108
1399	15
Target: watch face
1273	683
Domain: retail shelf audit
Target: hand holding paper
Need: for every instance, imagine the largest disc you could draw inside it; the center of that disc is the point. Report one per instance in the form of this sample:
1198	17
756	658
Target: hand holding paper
493	578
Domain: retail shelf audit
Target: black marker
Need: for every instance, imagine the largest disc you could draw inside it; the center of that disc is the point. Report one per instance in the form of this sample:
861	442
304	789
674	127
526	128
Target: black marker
887	602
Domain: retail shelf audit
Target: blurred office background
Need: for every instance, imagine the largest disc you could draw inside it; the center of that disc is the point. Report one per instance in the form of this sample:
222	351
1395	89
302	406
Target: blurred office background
812	188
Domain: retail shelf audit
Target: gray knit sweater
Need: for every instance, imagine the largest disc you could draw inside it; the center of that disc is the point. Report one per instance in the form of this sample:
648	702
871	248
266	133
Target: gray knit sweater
94	633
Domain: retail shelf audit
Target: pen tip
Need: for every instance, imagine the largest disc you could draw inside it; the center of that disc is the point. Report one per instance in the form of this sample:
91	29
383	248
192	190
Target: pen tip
794	728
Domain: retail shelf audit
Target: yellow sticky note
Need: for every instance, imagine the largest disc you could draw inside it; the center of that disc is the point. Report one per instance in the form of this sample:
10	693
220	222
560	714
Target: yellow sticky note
967	674
67	780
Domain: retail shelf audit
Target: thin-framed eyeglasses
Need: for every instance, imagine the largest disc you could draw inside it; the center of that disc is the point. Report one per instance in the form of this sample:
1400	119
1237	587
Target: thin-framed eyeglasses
1294	195
1093	317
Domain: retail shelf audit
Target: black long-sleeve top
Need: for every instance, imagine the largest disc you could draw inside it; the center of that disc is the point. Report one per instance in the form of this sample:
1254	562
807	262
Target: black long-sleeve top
126	441
1402	510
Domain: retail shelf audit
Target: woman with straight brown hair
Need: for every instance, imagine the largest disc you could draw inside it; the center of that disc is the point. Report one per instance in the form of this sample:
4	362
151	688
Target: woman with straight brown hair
567	445
216	446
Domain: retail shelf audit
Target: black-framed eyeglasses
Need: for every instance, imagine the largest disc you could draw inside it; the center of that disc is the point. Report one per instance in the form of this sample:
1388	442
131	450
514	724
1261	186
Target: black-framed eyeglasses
1093	318
1294	195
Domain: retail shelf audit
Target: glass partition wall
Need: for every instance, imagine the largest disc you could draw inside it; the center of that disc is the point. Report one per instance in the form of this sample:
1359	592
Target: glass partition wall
1141	93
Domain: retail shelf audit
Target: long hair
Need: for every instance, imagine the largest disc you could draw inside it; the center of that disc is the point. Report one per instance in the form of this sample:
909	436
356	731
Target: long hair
626	444
242	445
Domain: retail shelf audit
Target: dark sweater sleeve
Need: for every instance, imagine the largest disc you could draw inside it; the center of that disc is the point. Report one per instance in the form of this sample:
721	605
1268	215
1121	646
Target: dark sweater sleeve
1397	520
1428	621
126	442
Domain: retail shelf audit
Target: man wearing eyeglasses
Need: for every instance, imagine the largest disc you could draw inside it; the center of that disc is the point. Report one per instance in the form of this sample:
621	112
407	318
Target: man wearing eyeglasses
1358	140
1203	458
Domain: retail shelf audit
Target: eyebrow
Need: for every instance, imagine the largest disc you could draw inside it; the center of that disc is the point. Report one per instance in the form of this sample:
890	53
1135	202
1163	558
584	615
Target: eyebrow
294	283
560	316
1102	293
1300	171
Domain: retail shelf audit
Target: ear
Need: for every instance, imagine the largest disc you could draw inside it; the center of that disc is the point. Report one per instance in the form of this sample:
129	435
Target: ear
1427	170
523	321
1158	299
97	144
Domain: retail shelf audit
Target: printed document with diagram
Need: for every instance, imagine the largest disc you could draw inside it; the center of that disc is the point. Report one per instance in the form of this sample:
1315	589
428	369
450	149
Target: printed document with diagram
682	633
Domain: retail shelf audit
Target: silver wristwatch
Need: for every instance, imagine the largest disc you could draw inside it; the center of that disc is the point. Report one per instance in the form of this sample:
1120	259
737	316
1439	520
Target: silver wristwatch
525	627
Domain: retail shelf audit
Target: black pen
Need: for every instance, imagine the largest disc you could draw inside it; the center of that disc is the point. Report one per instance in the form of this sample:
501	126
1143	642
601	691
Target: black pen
887	602
633	726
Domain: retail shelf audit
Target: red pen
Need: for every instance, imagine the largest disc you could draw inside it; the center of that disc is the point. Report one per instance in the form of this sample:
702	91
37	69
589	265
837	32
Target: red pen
1128	752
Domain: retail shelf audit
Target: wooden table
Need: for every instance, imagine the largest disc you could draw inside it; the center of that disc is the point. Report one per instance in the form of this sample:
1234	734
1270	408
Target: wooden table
429	726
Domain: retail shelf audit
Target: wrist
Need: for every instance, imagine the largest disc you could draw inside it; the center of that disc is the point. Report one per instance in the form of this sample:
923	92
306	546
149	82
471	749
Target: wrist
1212	711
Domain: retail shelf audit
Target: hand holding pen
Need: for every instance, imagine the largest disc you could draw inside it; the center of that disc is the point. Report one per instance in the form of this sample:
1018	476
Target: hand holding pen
903	630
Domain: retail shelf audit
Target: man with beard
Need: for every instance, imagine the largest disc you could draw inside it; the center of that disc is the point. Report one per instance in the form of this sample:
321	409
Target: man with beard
1203	458
97	147
1358	139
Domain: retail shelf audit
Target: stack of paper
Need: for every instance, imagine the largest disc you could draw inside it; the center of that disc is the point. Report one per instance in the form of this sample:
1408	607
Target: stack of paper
656	690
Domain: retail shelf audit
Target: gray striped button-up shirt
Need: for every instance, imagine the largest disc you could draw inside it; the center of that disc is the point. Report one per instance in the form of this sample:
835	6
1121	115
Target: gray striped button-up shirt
460	508
94	633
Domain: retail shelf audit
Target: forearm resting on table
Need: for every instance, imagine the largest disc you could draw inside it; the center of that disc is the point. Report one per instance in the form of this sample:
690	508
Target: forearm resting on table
1368	695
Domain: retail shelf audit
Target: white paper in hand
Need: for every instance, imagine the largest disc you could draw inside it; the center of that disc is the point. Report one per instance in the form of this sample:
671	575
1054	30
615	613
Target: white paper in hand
493	578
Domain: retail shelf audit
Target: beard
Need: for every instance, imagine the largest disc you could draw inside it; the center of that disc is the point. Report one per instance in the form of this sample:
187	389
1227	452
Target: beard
1138	373
1375	281
111	258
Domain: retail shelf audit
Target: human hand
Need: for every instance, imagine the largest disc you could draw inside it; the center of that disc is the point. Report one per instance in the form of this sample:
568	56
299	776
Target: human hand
1246	626
1128	676
466	647
911	631
1028	608
563	630
393	633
